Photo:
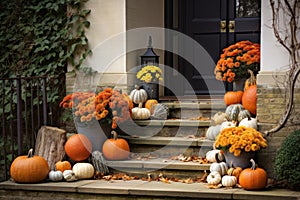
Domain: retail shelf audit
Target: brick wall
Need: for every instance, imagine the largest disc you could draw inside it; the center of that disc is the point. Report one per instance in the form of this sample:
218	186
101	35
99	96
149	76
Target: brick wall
270	108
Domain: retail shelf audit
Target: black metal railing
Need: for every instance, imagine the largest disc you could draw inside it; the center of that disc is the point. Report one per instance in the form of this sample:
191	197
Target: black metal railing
25	107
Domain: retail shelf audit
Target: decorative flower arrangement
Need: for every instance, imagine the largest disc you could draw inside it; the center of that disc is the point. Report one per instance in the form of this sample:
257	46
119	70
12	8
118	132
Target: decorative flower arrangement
240	138
108	106
150	73
236	59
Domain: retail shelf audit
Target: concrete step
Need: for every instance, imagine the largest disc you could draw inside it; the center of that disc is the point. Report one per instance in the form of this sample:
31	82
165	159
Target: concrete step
166	128
170	146
156	166
194	109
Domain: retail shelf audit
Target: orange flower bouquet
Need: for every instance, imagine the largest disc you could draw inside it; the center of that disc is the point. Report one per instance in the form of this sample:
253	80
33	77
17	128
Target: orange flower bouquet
236	59
107	106
240	138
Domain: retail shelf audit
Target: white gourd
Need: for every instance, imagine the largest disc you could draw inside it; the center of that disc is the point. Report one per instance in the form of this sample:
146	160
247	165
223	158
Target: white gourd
212	132
213	178
69	175
219	167
83	170
249	122
227	125
215	156
55	175
229	181
219	118
138	95
140	113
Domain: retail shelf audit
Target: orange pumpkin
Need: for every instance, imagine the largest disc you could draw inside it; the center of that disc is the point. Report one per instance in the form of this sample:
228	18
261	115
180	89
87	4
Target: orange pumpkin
150	102
253	178
250	81
233	97
249	99
235	171
78	147
63	165
29	168
115	148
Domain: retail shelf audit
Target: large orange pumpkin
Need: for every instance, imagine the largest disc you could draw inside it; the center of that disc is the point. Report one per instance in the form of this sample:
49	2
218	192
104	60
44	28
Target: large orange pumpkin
253	178
233	97
29	168
249	99
115	148
78	147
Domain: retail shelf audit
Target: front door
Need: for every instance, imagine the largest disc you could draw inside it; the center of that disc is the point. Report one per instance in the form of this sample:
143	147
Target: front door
214	24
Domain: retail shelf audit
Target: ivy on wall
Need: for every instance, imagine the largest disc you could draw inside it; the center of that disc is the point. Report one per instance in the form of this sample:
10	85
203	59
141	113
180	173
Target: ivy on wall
39	37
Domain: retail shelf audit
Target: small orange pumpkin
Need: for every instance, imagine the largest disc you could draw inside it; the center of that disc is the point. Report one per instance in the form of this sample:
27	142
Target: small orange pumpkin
63	165
235	171
29	168
115	148
78	147
233	97
150	102
253	178
249	99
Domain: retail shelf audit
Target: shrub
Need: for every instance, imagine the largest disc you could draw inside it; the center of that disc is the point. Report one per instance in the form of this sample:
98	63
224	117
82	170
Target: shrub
287	161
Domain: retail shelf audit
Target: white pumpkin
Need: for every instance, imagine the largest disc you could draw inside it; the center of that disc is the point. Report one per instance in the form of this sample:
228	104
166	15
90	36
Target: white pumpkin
219	167
140	113
213	131
219	118
215	156
214	178
55	175
227	125
249	122
69	175
138	95
229	181
83	170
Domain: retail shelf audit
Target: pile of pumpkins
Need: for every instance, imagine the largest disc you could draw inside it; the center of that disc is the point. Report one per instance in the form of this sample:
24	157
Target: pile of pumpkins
146	108
33	168
240	109
253	178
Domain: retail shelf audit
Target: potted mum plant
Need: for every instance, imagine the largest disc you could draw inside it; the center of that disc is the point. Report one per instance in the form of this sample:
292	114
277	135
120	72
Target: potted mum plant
240	144
236	60
96	114
149	76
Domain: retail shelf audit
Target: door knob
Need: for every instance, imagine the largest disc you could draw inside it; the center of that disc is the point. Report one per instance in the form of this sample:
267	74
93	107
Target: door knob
223	26
231	26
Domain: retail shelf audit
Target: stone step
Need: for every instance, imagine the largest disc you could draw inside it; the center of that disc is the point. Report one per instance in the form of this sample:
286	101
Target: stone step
194	109
157	166
170	146
166	128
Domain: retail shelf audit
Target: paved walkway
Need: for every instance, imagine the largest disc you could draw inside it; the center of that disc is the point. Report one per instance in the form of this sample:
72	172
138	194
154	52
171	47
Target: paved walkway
134	189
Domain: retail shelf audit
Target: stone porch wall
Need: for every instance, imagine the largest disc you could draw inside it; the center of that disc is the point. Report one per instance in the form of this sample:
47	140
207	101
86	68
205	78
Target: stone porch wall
271	103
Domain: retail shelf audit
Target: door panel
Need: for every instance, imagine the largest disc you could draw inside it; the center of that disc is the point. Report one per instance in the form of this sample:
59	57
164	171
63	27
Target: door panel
201	20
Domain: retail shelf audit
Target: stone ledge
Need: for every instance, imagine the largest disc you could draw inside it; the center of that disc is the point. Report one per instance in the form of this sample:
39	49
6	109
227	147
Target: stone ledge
173	122
118	189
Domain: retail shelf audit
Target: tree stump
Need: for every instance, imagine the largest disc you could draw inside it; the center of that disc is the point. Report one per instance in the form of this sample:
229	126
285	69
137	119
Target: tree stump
50	144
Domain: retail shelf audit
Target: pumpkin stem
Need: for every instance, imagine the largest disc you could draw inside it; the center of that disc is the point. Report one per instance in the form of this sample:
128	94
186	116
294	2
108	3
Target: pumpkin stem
137	87
114	134
253	165
30	153
140	105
